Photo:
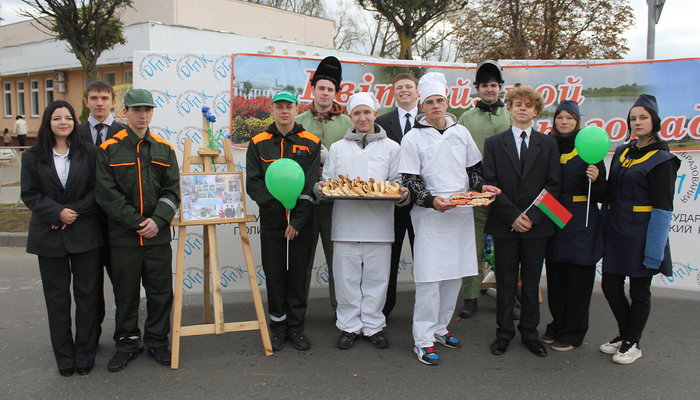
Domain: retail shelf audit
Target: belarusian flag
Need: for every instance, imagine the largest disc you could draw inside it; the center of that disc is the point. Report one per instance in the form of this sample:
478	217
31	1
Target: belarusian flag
554	210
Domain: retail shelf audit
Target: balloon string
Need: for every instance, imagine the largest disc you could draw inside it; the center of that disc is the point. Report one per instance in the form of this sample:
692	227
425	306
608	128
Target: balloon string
588	203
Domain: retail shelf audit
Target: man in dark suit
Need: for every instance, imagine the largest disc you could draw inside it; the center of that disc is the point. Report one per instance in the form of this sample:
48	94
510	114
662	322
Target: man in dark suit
397	123
521	162
100	126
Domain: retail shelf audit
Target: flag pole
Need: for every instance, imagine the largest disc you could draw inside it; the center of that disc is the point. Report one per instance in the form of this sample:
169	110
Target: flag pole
530	206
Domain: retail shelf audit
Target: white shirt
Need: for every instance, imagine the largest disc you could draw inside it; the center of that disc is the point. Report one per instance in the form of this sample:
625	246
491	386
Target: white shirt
402	117
519	140
62	164
93	121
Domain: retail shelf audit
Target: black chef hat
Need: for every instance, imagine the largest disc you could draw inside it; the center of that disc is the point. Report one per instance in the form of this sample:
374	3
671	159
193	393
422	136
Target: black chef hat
488	71
329	69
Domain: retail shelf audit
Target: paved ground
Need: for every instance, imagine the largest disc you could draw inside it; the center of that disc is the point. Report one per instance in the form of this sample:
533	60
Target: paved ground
233	365
9	173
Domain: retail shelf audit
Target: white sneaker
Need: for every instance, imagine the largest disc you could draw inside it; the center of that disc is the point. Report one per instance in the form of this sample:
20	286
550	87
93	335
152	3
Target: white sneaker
612	346
630	354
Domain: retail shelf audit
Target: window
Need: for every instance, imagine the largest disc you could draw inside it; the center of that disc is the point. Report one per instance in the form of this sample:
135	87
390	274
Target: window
48	88
128	77
20	97
34	97
7	89
109	78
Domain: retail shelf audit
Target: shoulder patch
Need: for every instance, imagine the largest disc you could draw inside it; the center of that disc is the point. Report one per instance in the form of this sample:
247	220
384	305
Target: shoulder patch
260	137
122	134
107	142
161	140
310	136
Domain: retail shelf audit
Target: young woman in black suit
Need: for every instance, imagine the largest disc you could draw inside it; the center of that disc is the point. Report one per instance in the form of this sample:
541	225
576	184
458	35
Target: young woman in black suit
58	186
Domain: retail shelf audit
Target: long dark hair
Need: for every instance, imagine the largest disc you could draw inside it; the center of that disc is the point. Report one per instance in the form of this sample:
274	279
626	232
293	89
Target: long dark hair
555	132
45	139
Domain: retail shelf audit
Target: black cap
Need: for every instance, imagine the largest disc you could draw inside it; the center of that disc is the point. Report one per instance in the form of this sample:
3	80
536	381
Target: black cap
570	106
329	69
488	71
647	101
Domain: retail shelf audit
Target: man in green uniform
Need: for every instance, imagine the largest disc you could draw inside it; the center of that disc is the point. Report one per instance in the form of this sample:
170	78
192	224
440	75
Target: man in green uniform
487	118
284	230
326	120
137	185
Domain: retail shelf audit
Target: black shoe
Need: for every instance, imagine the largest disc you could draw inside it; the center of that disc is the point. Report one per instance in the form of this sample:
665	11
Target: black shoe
562	346
499	346
535	347
469	308
83	371
161	354
378	340
346	340
516	313
547	338
120	360
277	340
300	341
66	371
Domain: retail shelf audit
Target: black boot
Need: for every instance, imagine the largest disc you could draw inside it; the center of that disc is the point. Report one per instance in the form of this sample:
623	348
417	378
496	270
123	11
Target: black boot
469	308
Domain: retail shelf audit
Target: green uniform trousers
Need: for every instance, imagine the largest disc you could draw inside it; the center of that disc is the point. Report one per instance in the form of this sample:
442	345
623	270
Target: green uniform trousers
152	267
286	288
471	285
323	216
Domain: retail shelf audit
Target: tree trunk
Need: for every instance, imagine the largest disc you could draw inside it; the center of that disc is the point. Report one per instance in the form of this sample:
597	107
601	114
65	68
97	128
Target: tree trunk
405	46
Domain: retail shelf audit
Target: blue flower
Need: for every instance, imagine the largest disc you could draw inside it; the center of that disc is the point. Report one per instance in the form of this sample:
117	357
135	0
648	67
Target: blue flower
205	109
209	116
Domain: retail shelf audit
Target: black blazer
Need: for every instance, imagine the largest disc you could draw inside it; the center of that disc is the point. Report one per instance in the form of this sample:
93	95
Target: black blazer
390	122
86	133
520	188
43	194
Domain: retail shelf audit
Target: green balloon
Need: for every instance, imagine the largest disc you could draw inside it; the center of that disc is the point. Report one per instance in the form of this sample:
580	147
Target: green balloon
285	181
592	144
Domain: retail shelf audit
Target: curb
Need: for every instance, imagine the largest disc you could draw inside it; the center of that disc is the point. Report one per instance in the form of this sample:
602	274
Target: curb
13	239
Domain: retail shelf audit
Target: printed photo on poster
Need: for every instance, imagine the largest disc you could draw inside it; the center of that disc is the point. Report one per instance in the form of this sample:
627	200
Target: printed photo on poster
216	197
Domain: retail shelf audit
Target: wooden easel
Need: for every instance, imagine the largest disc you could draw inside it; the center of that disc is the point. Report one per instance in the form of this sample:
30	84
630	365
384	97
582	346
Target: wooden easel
209	157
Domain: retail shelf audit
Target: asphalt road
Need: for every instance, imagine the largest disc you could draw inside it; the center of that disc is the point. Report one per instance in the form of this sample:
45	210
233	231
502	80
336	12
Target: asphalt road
233	365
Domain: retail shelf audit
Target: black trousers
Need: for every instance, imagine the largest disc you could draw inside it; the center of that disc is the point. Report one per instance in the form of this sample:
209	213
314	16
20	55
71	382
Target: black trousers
133	266
286	288
402	224
84	270
631	317
511	255
569	291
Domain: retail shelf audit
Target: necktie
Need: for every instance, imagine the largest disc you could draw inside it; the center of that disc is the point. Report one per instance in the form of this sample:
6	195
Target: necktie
523	150
98	139
407	127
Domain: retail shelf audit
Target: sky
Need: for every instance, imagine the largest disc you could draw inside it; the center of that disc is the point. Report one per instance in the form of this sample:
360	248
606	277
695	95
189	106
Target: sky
677	33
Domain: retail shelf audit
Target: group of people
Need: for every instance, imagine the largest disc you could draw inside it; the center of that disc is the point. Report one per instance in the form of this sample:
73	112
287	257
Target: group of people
102	195
20	130
492	147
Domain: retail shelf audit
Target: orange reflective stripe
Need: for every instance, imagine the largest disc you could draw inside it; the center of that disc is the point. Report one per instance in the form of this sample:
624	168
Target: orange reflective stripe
121	165
282	149
156	162
138	160
268	160
310	136
260	137
299	147
161	140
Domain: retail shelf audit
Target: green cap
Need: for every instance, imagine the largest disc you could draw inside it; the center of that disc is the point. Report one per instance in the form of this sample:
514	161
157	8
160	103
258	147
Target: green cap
138	97
285	95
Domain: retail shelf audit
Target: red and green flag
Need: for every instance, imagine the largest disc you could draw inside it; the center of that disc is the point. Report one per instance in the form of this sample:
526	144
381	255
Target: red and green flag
553	208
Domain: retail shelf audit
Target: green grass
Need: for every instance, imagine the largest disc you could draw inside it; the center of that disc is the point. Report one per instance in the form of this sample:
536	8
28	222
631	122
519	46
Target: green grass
14	219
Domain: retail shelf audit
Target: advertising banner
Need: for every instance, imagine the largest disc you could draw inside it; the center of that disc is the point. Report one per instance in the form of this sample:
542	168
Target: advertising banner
238	89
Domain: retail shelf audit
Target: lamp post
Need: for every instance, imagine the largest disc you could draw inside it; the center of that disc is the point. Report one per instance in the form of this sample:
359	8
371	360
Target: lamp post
655	7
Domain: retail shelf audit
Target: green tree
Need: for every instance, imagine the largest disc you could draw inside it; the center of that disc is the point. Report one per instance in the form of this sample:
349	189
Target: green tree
408	17
543	29
89	26
247	87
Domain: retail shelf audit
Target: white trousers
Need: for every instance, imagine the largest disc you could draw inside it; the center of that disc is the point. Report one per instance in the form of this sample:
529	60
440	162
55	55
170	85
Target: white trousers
361	273
435	304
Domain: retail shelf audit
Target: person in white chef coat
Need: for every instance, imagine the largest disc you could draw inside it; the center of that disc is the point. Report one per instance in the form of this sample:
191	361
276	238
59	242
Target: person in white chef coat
363	230
439	158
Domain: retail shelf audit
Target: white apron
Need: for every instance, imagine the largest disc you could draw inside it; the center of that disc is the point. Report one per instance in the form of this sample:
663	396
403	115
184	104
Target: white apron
444	246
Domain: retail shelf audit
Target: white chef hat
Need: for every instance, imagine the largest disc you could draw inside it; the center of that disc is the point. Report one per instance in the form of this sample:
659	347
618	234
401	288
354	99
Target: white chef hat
363	98
431	84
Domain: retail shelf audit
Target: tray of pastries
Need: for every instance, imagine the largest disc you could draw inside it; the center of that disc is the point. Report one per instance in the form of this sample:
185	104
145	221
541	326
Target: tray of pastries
472	199
345	188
